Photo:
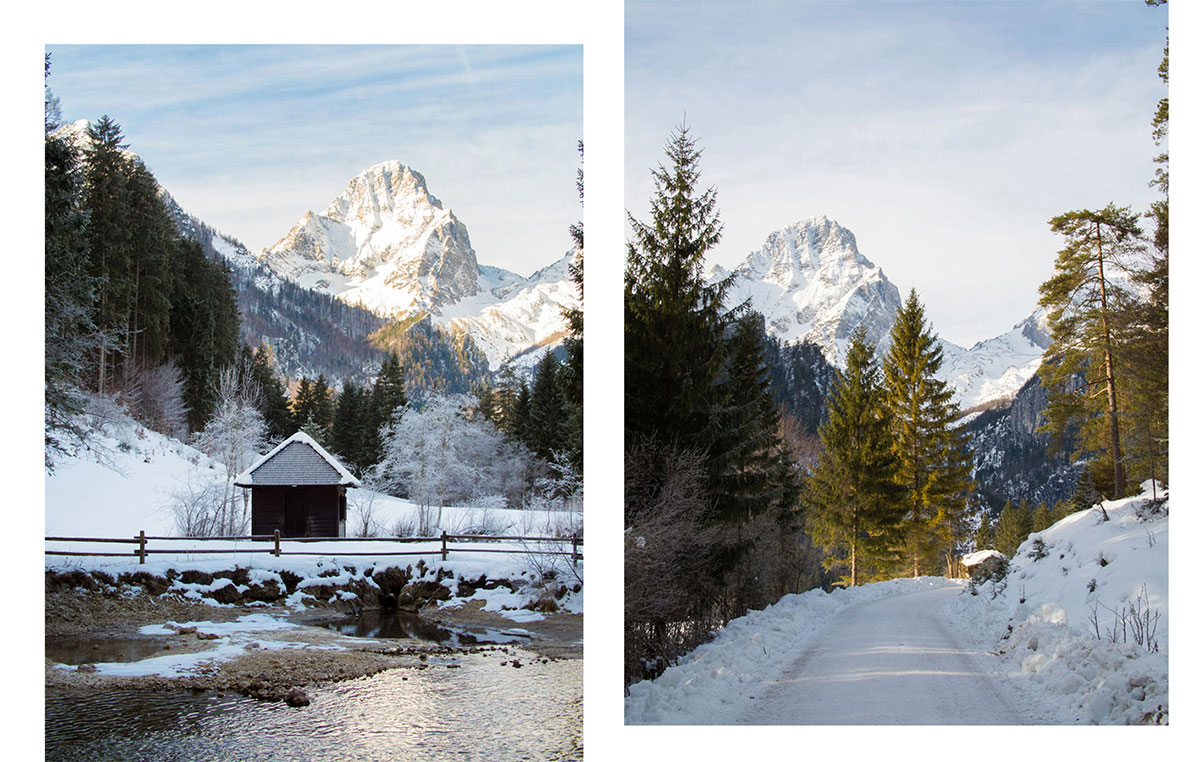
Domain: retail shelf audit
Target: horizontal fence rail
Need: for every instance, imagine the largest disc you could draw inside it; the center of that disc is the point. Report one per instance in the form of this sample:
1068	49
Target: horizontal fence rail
275	548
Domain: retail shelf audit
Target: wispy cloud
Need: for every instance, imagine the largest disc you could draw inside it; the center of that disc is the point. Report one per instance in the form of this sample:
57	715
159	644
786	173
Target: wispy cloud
943	134
280	129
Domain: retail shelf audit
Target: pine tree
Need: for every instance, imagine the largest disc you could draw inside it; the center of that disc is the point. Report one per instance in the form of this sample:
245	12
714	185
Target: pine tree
1013	528
323	403
108	239
303	403
71	339
1041	518
1061	510
853	493
350	422
1082	299
387	396
933	453
543	433
674	323
754	473
203	327
517	420
1086	495
275	402
572	372
153	243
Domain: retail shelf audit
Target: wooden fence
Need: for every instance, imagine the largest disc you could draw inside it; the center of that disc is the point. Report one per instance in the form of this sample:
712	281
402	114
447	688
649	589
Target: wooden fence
275	549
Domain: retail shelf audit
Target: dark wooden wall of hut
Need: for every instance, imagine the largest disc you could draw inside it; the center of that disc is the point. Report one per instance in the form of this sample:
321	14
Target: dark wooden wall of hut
321	507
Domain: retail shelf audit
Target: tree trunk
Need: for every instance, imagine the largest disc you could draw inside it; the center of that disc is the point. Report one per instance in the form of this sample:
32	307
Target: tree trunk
853	563
1114	431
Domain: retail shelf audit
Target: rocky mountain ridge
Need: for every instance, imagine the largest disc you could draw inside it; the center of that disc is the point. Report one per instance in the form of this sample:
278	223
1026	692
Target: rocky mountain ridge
388	245
811	283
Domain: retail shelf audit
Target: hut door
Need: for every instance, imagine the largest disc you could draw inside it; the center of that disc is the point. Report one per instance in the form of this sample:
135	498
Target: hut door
295	516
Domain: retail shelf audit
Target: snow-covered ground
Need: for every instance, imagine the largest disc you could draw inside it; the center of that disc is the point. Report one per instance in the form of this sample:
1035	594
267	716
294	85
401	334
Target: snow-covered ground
130	481
133	486
1056	666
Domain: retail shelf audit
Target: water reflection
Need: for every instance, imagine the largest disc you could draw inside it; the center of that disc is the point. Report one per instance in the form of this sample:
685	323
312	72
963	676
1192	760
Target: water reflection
482	711
95	650
403	624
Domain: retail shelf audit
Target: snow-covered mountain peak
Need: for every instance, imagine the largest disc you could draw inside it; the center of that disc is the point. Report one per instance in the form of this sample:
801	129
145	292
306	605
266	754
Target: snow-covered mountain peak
812	283
386	243
387	191
813	248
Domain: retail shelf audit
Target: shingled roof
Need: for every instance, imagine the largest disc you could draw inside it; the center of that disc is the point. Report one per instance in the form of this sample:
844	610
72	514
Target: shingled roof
296	461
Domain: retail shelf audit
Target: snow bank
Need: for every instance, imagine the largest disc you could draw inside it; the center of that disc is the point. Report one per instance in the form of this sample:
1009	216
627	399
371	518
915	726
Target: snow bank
1064	616
719	677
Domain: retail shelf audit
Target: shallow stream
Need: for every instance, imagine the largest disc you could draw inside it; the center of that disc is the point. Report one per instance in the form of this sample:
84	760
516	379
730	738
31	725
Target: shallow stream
480	711
400	624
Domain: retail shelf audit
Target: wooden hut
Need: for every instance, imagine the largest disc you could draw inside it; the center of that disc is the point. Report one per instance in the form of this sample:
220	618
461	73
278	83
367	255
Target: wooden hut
299	489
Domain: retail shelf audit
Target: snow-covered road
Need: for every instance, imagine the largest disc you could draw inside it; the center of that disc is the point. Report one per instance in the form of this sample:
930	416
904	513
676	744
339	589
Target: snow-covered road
888	662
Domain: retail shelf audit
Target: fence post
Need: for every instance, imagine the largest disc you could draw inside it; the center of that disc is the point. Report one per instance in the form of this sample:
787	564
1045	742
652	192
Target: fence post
142	546
443	544
574	550
277	543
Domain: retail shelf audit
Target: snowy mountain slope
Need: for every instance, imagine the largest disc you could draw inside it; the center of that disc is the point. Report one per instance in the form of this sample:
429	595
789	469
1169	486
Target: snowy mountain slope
811	283
385	243
998	367
1013	460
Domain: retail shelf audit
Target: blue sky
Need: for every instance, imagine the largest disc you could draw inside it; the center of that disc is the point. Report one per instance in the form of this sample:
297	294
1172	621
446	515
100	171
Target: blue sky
943	134
249	137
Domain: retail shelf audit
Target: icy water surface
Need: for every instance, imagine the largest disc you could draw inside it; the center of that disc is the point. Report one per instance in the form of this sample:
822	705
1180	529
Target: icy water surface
481	711
400	624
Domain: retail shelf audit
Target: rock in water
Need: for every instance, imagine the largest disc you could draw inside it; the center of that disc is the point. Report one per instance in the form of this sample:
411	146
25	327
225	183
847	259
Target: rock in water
296	697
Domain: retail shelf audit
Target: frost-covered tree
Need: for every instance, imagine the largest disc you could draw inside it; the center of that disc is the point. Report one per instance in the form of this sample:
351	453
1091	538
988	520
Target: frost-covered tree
234	436
437	456
160	403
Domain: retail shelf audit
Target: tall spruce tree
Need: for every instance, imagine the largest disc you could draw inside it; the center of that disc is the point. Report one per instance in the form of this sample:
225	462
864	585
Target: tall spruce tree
70	332
108	243
934	457
154	240
275	401
754	472
853	494
350	421
1082	298
674	323
203	327
547	408
386	397
572	372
